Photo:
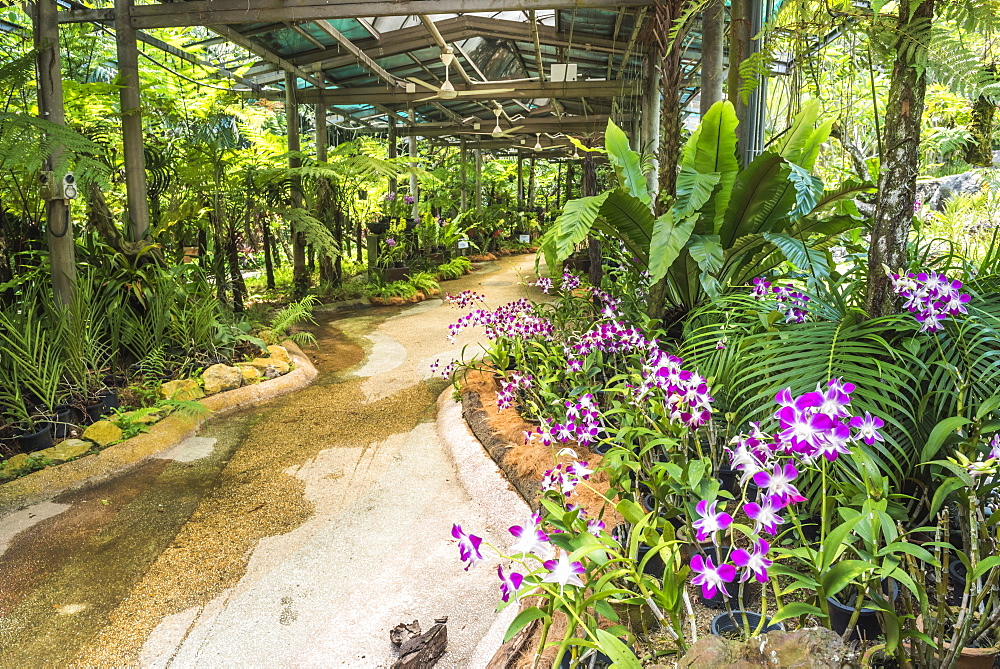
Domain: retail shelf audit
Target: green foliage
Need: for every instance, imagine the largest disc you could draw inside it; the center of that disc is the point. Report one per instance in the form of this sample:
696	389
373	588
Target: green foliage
424	282
280	325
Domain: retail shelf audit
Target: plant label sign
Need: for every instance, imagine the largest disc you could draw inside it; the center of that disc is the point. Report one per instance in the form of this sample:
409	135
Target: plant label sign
524	239
463	244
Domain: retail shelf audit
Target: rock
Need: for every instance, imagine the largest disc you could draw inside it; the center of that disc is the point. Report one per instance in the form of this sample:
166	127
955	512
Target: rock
809	648
279	353
182	389
422	652
269	368
222	377
403	632
250	374
14	466
711	652
103	433
66	450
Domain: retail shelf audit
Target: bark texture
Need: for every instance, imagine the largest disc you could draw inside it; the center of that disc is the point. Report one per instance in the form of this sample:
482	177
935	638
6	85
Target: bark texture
897	183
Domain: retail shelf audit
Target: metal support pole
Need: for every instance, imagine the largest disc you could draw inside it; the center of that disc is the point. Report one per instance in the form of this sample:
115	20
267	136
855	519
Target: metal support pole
414	184
463	159
651	124
392	151
62	252
479	180
135	161
300	276
520	180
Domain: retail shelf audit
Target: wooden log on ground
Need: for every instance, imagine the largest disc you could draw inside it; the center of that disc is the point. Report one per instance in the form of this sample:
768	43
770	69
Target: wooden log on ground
422	652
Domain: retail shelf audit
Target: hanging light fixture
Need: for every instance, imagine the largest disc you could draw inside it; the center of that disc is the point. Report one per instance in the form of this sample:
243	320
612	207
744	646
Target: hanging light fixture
538	141
576	153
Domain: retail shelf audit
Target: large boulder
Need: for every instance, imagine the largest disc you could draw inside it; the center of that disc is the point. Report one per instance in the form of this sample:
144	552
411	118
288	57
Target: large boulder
103	433
279	353
249	374
221	377
182	389
809	648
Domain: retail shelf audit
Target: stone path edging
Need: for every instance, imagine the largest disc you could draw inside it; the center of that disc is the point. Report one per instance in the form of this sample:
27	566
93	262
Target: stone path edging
491	493
47	483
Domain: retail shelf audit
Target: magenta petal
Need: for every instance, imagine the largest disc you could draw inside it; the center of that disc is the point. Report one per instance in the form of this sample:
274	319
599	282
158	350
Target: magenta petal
702	508
726	572
762	479
697	563
457	532
550	564
516	579
740	557
475	542
708	591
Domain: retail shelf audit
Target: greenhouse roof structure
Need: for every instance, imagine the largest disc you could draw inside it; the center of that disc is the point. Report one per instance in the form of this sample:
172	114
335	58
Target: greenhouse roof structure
535	70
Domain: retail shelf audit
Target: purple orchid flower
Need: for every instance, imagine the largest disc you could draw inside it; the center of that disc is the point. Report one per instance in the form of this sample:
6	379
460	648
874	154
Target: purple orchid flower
564	572
710	577
409	199
765	515
867	428
755	563
711	521
509	584
779	483
390	242
468	546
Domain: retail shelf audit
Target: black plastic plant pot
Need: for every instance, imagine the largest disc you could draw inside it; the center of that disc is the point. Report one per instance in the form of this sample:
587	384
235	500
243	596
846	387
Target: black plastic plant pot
109	400
655	566
36	441
601	447
868	627
94	411
740	623
596	661
66	418
957	574
728	479
811	528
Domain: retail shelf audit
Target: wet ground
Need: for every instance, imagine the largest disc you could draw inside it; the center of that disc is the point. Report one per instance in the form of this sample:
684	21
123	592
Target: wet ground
295	533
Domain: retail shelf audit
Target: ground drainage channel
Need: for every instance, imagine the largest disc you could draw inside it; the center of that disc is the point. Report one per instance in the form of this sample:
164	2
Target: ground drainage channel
88	584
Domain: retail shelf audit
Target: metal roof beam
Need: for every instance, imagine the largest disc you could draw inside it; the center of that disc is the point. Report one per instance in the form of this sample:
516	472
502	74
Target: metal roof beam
364	59
531	127
218	12
524	90
265	53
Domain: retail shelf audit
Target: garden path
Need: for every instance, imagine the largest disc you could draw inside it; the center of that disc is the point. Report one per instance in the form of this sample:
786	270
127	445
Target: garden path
295	533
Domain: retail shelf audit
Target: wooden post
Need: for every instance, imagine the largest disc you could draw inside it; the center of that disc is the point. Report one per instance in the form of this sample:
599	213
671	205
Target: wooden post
300	275
62	254
135	161
479	180
713	28
651	124
463	159
593	245
414	184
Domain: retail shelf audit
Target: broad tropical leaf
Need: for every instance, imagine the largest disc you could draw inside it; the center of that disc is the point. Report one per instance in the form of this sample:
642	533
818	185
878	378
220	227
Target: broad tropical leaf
669	238
712	148
626	163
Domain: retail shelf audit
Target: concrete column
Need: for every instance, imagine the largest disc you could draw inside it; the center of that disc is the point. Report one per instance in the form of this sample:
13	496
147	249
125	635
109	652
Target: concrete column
62	252
300	275
713	28
651	123
135	161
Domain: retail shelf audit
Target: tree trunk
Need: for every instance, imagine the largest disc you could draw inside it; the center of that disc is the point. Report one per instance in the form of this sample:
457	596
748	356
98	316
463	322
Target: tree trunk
235	275
713	29
593	245
979	148
897	184
740	47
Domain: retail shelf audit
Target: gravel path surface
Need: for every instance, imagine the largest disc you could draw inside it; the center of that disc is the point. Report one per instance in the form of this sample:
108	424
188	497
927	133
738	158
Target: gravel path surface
295	533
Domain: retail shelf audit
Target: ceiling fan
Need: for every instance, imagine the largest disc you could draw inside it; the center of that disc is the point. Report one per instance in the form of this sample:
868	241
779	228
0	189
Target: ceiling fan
446	91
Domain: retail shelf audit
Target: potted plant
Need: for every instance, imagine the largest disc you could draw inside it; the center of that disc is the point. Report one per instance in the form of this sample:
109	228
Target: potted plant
743	624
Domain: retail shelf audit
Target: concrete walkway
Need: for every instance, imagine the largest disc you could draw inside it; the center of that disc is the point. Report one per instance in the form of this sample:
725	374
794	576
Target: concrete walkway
296	533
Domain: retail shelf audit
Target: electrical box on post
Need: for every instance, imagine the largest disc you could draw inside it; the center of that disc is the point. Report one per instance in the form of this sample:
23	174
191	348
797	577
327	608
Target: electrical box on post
45	190
52	188
69	190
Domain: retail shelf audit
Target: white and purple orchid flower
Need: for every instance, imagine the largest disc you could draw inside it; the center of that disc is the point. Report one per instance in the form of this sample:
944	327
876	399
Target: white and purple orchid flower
564	572
930	297
712	579
509	584
531	538
754	563
765	515
779	483
711	522
468	546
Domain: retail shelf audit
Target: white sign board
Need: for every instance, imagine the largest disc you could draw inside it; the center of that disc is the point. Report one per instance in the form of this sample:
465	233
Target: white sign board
463	244
524	239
